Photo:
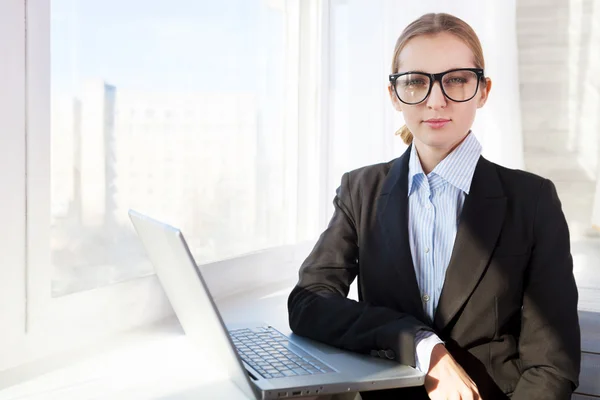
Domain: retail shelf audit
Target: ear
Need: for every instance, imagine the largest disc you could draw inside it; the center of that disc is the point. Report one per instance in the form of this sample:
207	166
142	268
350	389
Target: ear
485	92
395	102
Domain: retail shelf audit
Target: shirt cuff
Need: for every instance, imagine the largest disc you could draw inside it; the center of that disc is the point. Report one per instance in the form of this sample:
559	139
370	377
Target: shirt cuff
425	341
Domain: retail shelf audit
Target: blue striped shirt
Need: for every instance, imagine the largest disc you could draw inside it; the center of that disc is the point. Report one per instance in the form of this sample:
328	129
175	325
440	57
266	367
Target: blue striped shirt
435	202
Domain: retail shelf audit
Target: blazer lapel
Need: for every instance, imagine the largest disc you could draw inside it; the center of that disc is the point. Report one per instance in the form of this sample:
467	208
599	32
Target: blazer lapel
392	214
478	231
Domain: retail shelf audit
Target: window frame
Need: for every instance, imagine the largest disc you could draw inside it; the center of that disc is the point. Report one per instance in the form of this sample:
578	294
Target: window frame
12	178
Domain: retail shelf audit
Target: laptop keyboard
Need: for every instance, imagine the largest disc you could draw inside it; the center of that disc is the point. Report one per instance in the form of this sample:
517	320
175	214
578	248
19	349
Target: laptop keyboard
272	355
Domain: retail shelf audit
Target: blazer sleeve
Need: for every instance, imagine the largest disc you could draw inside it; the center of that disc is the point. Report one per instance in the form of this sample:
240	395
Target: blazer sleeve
550	343
319	308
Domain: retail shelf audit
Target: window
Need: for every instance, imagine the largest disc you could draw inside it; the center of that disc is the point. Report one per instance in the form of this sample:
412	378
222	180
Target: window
162	59
114	70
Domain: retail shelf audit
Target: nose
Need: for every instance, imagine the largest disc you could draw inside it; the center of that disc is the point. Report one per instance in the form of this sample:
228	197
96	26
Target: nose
436	99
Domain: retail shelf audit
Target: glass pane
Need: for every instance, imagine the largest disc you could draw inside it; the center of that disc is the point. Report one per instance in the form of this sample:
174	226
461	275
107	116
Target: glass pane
412	88
460	85
173	109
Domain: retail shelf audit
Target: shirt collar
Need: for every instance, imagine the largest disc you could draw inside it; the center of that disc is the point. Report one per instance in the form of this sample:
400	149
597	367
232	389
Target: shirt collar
457	168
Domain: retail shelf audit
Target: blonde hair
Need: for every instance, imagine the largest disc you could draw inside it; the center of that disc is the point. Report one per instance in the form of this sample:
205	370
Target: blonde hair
433	24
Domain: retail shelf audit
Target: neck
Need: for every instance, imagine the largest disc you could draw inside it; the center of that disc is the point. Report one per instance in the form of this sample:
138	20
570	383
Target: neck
430	156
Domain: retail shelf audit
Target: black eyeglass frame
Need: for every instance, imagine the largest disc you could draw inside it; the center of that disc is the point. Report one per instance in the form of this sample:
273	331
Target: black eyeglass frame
437	77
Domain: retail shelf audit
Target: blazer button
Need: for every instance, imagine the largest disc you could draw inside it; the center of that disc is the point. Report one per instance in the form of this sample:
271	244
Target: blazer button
381	353
374	353
390	354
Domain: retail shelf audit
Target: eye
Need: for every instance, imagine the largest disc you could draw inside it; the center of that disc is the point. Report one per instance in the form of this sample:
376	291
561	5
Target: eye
459	78
413	82
455	80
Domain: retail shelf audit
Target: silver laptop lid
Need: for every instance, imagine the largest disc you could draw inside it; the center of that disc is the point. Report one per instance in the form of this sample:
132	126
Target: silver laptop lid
188	294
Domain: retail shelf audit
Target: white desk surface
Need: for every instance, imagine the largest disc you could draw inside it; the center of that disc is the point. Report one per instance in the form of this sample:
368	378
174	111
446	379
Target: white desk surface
158	364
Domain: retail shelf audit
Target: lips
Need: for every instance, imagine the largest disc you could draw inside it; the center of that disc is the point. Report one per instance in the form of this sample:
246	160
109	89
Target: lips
437	123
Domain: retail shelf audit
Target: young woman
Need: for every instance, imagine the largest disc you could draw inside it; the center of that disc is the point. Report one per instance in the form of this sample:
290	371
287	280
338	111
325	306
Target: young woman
464	267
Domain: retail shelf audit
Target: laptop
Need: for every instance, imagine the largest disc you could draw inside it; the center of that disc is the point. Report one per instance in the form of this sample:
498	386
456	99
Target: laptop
264	361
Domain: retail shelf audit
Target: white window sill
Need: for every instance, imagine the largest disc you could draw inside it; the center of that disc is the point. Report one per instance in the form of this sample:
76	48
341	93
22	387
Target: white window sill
157	362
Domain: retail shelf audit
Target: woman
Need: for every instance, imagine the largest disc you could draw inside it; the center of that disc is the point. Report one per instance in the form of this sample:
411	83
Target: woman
464	267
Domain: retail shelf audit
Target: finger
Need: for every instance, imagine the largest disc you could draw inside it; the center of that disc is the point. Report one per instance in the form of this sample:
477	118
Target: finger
437	395
475	391
467	395
474	395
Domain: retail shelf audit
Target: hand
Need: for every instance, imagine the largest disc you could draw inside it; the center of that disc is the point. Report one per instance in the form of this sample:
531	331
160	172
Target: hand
446	379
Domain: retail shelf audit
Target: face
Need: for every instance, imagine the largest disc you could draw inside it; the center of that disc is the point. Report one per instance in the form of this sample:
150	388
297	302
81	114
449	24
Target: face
434	54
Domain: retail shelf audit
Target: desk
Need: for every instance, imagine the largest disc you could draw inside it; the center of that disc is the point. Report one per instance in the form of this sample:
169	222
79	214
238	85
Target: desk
157	363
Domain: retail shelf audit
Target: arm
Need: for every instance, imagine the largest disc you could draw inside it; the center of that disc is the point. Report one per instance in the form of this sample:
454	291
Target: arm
549	344
318	307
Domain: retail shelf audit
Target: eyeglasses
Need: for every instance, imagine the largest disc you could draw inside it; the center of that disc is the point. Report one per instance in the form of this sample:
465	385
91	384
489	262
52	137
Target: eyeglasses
458	85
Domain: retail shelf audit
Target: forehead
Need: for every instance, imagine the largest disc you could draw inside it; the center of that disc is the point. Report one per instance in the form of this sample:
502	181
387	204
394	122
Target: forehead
435	53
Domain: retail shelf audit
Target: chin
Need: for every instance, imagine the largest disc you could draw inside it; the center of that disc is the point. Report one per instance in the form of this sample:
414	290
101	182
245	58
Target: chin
440	139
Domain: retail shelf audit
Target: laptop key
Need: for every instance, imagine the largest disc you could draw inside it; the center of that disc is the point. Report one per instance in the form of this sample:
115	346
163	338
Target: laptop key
289	373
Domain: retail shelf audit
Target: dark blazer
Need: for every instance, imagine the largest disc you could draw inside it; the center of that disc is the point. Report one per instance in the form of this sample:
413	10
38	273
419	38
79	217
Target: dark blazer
508	307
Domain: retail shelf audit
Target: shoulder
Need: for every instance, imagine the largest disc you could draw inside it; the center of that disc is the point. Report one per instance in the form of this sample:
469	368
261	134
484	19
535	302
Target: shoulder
517	177
370	179
361	186
370	174
519	184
